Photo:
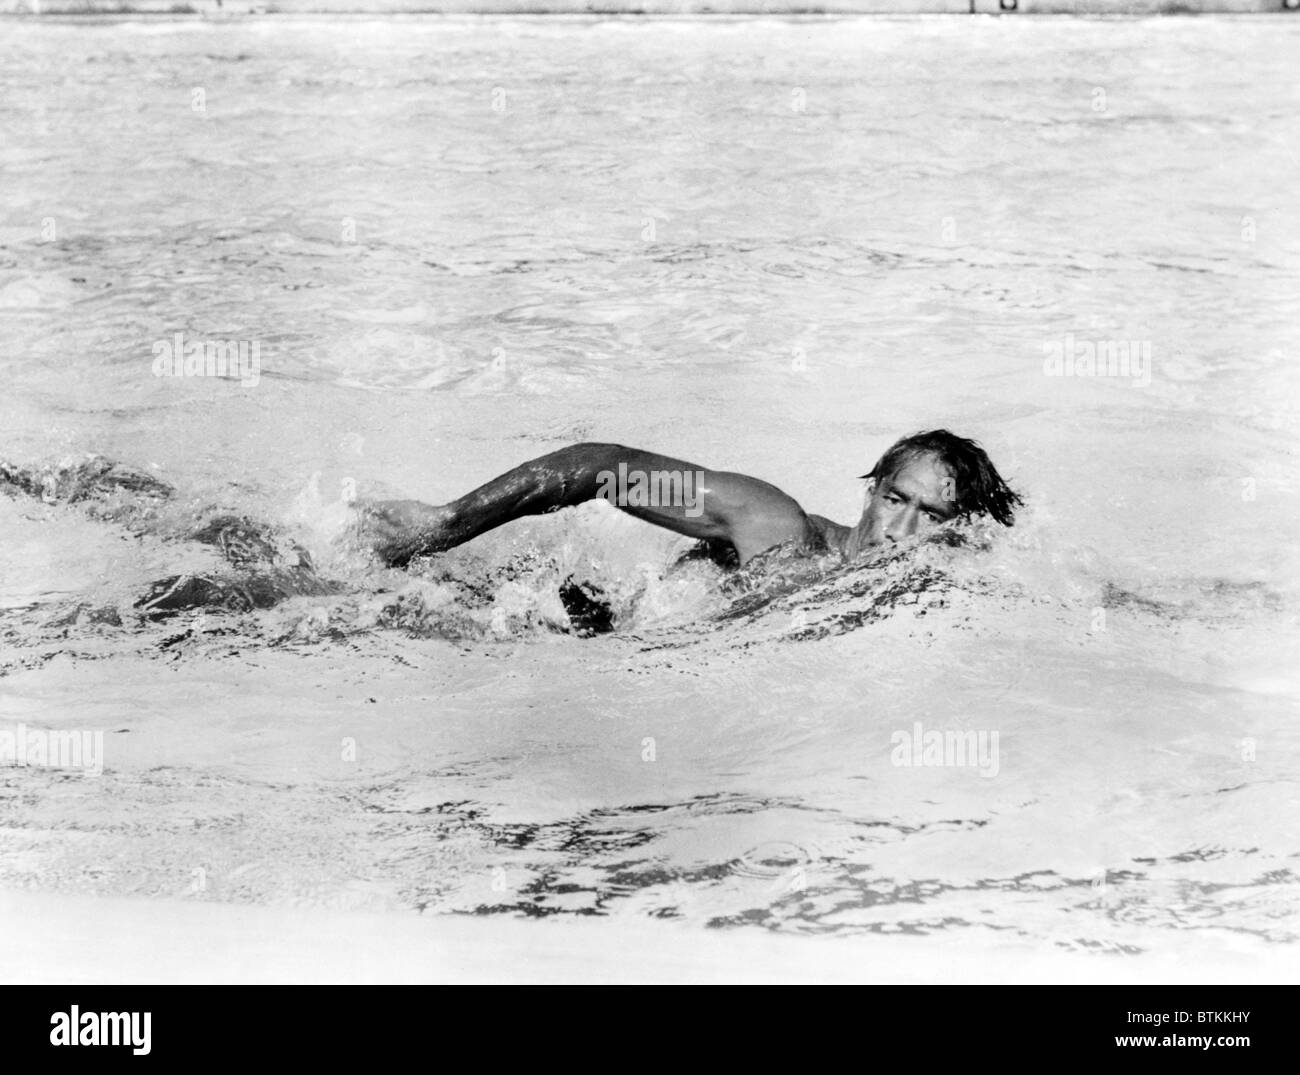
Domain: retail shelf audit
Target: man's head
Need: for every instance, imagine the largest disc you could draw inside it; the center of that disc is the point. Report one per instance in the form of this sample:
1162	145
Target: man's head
928	479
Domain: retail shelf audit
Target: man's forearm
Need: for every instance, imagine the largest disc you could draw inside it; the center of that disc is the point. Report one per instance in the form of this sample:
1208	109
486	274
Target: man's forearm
557	480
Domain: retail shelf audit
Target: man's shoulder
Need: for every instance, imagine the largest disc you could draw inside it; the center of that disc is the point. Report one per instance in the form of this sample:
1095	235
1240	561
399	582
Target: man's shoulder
832	533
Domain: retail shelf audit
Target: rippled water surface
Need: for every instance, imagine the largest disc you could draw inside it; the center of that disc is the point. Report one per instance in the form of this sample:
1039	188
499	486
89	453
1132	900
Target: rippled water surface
769	246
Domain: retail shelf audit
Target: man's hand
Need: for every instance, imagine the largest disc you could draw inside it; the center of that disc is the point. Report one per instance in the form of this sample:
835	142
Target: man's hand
396	529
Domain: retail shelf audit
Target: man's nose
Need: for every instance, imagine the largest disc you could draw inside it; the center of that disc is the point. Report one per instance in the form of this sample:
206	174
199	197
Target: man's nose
902	526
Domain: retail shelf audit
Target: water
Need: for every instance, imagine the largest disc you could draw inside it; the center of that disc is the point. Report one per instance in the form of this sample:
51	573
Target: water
769	246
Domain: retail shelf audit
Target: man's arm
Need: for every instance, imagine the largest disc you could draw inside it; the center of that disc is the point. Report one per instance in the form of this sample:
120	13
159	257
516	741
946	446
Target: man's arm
714	505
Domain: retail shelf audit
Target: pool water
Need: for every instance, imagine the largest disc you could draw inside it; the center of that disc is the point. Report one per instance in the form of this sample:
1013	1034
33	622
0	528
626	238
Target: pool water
768	245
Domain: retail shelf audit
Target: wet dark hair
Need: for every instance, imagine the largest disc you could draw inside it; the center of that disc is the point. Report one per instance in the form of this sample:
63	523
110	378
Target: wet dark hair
980	488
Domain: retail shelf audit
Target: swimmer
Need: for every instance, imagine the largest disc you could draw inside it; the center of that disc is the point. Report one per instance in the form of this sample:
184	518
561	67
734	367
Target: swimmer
921	484
918	487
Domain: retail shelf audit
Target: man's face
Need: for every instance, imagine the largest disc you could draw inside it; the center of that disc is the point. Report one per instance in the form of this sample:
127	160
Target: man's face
918	497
